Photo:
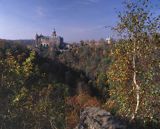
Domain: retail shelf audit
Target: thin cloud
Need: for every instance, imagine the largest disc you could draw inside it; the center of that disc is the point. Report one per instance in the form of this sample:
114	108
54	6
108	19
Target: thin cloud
93	1
40	11
87	2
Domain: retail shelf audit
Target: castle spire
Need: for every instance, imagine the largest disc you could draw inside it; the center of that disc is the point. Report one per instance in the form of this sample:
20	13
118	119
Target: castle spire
54	33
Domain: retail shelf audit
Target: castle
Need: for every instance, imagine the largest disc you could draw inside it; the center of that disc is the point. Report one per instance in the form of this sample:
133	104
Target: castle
51	42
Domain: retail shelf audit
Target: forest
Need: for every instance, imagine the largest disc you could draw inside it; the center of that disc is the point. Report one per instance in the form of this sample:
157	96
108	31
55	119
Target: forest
49	91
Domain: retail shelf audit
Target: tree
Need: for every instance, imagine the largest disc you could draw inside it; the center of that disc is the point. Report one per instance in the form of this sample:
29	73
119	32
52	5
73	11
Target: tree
132	72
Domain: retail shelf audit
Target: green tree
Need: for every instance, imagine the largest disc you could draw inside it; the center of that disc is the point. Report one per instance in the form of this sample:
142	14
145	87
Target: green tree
13	76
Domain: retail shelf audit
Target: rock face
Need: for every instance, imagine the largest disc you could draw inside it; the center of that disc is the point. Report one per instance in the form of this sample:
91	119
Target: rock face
96	118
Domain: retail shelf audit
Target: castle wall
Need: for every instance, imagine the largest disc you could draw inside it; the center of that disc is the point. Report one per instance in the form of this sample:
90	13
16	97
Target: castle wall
52	41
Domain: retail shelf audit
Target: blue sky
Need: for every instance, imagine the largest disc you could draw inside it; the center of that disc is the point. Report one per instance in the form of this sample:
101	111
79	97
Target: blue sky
73	19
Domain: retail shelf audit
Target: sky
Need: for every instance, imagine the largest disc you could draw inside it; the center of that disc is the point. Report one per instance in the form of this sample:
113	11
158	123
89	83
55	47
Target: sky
75	20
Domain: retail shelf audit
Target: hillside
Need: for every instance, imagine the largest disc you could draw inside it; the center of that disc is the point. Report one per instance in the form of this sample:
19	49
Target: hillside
34	87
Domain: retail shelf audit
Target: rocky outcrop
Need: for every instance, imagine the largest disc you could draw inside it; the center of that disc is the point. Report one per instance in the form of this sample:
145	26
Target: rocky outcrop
96	118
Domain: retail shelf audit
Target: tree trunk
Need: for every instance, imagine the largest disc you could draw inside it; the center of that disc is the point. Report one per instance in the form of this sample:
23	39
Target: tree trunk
136	85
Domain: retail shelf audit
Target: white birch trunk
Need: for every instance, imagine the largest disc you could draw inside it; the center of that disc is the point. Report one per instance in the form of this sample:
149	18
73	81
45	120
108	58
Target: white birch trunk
135	83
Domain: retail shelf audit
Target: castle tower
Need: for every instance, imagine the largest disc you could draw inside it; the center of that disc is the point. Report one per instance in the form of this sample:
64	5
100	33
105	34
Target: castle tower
54	34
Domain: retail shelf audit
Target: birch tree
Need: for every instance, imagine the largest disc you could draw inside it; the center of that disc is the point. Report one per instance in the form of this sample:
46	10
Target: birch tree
131	72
